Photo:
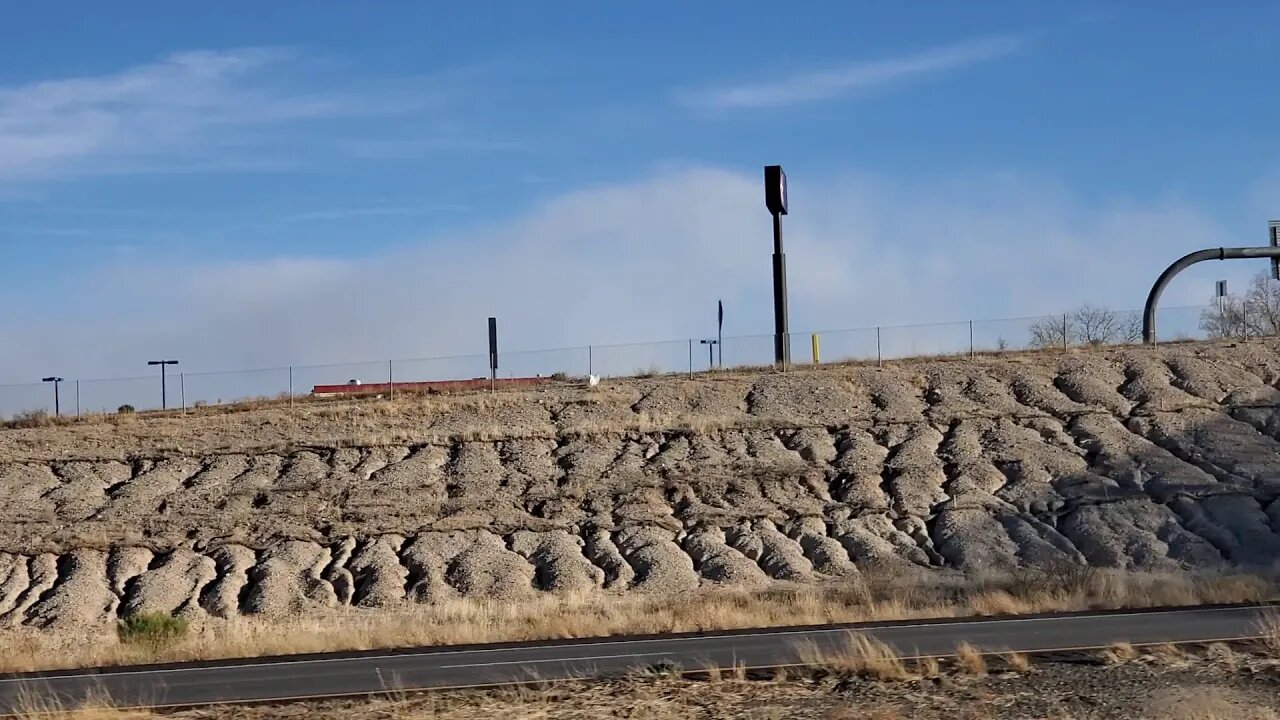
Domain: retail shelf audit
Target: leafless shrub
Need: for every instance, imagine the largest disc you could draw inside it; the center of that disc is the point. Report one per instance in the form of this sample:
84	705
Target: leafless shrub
1086	325
1256	313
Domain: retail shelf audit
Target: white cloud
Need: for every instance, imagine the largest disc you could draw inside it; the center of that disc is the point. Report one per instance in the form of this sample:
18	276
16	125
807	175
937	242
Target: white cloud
853	78
190	112
636	261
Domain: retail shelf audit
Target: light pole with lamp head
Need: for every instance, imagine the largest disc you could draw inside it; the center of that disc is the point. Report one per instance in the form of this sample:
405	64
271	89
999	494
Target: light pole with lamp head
164	397
775	200
57	401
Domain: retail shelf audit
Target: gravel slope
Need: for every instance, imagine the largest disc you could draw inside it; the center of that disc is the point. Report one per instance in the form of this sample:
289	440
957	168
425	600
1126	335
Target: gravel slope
1153	459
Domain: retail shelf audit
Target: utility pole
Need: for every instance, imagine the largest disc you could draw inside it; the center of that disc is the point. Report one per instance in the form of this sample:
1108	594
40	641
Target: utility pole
164	394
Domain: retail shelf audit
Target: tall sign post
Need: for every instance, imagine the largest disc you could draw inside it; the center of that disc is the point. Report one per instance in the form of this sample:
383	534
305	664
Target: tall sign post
493	352
775	199
720	330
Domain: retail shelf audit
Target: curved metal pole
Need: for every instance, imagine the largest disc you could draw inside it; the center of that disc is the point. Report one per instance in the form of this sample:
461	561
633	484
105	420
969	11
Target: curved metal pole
1184	262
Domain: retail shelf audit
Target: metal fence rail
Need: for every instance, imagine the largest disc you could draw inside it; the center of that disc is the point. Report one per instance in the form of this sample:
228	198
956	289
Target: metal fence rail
868	344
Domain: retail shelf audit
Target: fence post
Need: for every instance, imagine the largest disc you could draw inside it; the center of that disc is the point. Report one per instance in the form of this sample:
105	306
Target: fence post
290	387
879	357
690	358
1064	332
391	378
182	390
591	369
77	398
1244	319
970	339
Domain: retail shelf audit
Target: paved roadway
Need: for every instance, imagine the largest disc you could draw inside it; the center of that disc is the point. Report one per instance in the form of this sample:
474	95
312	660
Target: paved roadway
339	674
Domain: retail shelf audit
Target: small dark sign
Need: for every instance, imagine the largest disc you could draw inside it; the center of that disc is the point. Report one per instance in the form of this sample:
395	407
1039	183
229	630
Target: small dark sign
1275	242
775	189
493	343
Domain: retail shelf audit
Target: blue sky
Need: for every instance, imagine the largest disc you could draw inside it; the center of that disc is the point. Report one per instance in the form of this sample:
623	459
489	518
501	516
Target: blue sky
229	181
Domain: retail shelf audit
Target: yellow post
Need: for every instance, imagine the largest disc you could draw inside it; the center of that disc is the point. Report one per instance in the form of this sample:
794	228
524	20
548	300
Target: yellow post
816	359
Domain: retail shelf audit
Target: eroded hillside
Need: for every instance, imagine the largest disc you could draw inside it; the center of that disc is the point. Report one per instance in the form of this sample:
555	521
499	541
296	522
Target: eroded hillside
1157	459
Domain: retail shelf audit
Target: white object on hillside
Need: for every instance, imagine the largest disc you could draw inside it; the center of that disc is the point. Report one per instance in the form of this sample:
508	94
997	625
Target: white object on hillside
593	380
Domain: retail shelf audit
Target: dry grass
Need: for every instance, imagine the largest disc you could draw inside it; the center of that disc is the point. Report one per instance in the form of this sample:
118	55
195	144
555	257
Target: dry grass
97	706
860	656
928	667
1120	653
1269	629
969	660
1168	654
1017	662
552	616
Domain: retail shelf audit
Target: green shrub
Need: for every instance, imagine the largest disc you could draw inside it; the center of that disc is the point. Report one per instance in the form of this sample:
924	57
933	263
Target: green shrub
153	630
125	409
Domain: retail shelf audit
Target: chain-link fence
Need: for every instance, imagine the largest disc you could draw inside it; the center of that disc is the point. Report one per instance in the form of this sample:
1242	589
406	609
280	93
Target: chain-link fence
184	390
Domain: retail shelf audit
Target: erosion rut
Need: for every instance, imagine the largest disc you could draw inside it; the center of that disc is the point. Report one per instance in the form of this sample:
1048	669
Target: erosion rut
1143	459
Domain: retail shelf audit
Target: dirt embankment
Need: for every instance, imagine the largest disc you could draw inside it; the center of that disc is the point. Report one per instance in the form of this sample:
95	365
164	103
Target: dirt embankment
1165	459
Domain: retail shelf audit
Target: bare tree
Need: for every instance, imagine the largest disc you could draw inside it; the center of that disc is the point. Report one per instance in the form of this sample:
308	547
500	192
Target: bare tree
1131	328
1092	325
1086	325
1262	303
1258	312
1224	318
1050	332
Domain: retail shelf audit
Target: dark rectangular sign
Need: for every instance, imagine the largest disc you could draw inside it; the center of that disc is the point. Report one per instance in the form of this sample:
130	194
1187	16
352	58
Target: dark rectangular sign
775	189
493	343
1275	242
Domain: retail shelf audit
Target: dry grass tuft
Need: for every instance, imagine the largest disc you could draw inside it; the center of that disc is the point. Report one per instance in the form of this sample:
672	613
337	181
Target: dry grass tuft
969	660
860	656
96	706
1168	654
1120	653
928	667
1269	630
1017	662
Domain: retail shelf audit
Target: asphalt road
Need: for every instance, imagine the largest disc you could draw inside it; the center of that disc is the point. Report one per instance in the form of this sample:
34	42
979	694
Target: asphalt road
341	674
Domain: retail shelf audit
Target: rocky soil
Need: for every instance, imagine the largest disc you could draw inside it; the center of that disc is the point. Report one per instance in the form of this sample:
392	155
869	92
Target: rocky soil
1150	459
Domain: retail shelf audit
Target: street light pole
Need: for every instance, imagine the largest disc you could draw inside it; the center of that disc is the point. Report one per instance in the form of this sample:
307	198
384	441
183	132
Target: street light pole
164	391
775	199
57	401
711	352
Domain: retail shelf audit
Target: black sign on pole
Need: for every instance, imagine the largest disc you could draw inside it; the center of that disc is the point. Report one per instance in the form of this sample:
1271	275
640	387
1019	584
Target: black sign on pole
720	329
775	200
493	348
1275	242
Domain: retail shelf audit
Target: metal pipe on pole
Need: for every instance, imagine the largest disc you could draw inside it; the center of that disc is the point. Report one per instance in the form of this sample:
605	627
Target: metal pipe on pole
1186	261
